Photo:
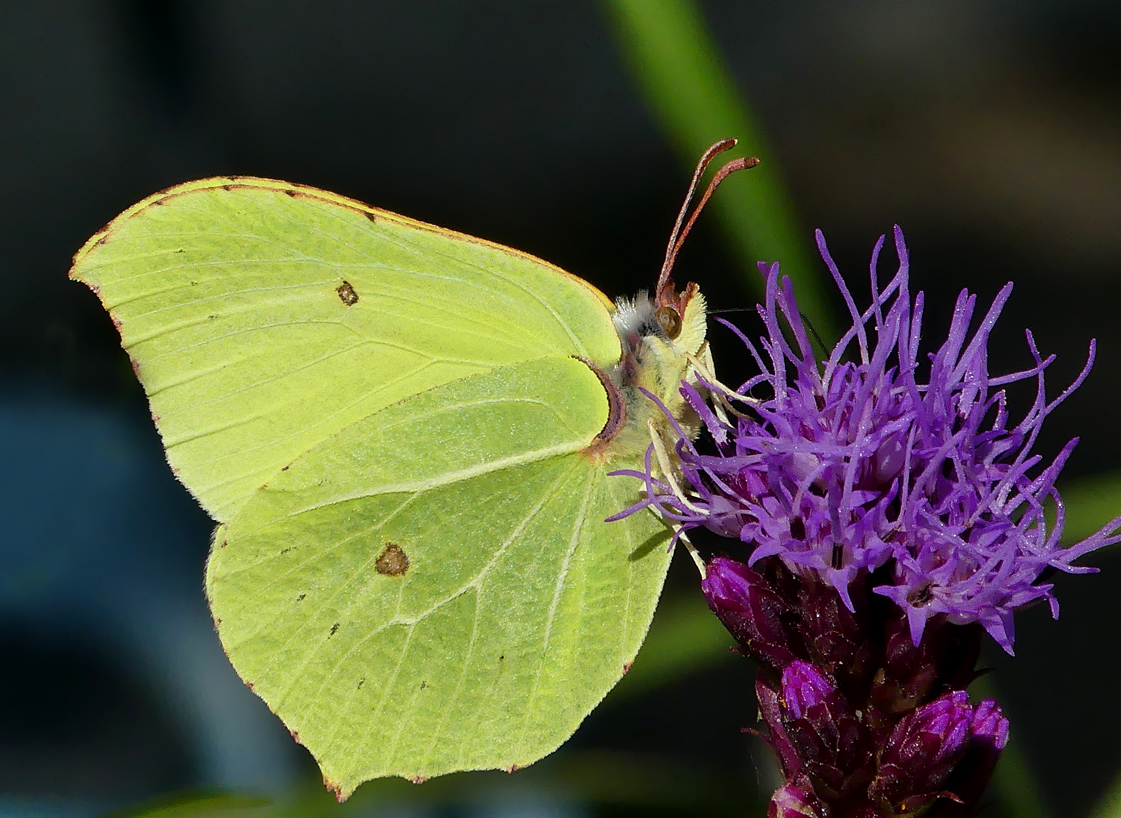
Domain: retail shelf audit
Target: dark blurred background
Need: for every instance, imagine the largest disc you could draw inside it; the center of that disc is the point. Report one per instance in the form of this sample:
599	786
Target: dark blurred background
991	131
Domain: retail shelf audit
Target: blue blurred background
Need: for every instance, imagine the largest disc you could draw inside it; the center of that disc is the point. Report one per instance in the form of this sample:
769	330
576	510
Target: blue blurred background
991	131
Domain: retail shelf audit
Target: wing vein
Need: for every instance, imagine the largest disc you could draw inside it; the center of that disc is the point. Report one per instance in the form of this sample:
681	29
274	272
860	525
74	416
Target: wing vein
562	577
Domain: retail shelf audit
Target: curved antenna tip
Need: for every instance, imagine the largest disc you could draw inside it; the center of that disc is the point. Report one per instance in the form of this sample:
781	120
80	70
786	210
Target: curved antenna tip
682	227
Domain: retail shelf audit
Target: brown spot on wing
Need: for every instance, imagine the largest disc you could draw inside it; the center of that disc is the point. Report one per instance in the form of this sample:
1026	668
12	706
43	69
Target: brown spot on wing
392	562
347	294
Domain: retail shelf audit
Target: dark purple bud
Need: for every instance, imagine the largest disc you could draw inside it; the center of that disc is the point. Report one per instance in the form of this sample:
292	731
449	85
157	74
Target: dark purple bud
770	710
750	609
796	801
822	728
922	750
972	773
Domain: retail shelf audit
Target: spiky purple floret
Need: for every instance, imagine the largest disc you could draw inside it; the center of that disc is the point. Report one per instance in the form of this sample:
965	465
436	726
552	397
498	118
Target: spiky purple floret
879	455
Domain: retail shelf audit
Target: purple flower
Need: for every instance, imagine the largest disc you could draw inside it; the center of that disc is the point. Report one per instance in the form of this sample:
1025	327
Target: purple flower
876	456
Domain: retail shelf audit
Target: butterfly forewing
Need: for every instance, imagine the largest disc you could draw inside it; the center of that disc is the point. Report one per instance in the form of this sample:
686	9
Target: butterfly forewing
263	317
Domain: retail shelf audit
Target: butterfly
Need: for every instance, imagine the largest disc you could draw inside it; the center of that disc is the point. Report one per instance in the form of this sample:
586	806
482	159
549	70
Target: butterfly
405	435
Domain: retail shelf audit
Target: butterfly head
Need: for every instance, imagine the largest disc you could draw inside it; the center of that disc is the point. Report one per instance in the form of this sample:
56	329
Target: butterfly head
663	342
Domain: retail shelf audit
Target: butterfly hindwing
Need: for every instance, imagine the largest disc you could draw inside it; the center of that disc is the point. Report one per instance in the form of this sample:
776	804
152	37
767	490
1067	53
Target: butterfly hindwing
433	588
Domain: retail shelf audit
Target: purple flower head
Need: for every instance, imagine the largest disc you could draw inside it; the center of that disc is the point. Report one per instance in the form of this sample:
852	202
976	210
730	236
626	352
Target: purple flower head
877	456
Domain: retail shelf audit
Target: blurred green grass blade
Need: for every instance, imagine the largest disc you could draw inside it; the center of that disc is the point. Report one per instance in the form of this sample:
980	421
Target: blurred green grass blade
690	90
1090	504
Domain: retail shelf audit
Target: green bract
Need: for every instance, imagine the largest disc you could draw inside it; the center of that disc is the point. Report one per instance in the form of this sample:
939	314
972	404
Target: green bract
390	423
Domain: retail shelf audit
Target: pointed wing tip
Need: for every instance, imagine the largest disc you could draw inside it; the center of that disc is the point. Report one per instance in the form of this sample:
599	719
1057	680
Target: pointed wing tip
160	197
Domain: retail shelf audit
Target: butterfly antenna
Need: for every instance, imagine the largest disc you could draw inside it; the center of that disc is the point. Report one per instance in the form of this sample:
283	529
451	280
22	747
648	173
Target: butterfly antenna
682	227
730	310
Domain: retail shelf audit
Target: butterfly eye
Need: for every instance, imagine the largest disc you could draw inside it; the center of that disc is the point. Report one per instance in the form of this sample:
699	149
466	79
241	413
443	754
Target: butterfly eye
669	320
